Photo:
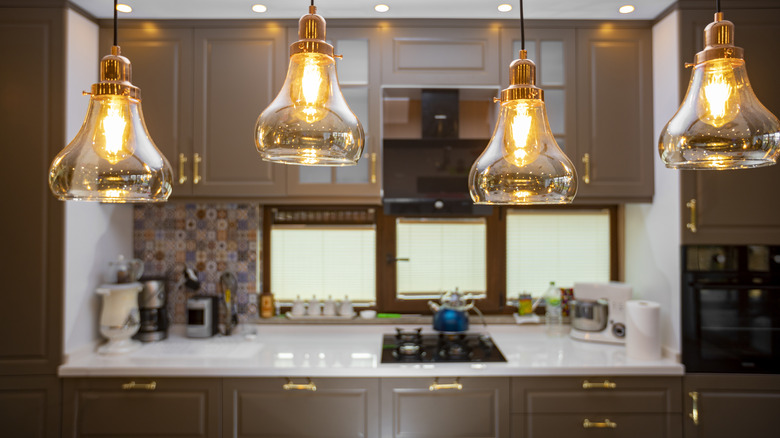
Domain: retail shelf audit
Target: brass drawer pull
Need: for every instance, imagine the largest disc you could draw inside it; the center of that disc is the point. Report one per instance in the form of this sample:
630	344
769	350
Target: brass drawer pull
603	385
143	386
694	415
586	162
182	162
606	424
290	386
436	386
373	167
692	224
196	160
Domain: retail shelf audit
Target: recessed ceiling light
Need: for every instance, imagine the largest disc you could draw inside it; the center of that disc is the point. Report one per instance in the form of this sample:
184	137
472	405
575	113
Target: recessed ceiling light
121	7
259	8
504	8
381	8
626	9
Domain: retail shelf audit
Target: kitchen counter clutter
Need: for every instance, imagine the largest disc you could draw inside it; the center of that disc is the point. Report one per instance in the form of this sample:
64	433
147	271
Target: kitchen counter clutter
355	351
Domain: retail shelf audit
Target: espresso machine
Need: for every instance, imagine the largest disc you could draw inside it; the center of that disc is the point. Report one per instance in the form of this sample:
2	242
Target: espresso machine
154	314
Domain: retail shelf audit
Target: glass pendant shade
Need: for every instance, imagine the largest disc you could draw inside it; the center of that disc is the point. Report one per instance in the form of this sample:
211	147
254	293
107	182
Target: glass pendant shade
720	124
112	158
309	121
522	163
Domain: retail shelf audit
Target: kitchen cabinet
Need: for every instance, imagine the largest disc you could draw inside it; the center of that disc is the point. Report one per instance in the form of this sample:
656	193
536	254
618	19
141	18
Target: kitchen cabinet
468	407
733	207
572	406
141	407
729	405
30	406
614	139
301	408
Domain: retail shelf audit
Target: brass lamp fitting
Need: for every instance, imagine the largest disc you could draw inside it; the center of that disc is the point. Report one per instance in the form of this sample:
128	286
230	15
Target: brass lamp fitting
719	41
522	80
311	31
115	74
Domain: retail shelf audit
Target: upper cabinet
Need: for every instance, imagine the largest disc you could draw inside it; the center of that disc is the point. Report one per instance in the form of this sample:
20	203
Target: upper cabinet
734	206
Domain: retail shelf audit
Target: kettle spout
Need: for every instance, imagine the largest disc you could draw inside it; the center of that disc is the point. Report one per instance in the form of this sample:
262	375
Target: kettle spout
433	306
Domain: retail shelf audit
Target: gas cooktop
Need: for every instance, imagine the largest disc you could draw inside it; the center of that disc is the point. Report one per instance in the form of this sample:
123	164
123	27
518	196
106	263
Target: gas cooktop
409	346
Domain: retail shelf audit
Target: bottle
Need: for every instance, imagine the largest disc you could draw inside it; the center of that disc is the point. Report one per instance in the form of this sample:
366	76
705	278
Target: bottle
553	318
266	305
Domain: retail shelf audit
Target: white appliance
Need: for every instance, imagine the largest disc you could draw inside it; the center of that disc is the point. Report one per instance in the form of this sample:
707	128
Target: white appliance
615	295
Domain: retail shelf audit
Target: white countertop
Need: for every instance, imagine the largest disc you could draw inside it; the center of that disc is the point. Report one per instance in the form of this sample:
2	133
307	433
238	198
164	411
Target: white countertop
355	351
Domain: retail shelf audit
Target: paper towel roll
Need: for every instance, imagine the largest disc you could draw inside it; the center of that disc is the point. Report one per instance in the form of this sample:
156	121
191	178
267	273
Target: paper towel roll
643	330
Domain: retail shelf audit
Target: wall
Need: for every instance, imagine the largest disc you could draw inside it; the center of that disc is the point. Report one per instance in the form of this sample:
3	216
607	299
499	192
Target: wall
94	233
652	255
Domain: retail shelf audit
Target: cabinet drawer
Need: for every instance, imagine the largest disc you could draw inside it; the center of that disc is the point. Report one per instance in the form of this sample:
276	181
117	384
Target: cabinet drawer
597	394
573	425
142	407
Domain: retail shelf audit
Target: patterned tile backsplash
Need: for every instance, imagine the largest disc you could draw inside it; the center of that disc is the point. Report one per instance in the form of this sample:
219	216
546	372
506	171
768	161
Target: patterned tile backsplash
209	238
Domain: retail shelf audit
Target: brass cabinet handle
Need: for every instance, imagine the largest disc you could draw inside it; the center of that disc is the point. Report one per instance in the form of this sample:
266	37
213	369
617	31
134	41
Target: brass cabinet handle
290	386
606	424
436	386
692	224
143	386
694	414
603	385
373	167
182	162
586	162
196	168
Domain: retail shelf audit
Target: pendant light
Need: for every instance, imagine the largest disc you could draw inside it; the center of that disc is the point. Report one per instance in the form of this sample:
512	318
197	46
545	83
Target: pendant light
720	124
522	164
309	122
112	158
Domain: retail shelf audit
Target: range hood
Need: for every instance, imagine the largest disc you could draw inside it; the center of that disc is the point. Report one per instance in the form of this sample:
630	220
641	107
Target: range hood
426	156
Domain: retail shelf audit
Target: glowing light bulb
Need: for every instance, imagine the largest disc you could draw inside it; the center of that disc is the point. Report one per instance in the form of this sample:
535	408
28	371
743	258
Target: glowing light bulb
310	86
522	139
111	139
719	101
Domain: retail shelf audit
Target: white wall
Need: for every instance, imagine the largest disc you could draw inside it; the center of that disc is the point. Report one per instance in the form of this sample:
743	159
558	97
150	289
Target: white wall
652	256
94	233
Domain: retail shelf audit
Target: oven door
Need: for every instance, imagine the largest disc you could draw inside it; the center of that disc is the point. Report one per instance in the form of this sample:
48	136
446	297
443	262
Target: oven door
731	328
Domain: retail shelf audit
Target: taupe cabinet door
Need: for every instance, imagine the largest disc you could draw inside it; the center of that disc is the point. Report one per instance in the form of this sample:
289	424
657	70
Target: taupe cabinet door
411	409
30	406
731	405
615	136
737	206
337	408
141	407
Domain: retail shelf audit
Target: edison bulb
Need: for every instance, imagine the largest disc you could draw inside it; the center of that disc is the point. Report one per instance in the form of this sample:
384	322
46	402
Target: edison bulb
718	102
309	85
111	138
523	133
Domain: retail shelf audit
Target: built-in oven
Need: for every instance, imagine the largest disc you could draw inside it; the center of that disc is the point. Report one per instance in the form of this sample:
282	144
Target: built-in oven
731	309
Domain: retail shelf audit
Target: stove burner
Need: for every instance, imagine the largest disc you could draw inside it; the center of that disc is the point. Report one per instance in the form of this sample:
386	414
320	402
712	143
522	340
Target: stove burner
414	346
408	335
453	346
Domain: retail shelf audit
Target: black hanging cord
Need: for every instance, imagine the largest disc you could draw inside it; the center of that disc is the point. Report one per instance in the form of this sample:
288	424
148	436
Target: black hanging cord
312	2
115	20
522	27
717	5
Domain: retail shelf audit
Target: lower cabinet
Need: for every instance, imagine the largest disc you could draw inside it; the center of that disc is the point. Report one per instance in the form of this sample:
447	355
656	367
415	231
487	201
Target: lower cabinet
301	408
634	407
142	407
731	405
29	406
445	407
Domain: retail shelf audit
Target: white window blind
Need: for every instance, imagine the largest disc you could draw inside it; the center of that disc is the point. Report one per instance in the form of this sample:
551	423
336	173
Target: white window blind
323	260
564	247
442	255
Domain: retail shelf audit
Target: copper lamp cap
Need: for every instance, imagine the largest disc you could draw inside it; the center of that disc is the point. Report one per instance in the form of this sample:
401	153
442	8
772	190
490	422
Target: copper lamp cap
115	73
311	31
522	80
719	41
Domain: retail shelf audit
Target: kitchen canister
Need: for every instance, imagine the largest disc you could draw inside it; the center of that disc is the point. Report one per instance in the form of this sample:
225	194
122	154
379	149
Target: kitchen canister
643	330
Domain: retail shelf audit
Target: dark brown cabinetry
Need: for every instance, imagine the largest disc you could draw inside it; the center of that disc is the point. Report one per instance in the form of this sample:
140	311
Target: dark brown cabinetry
729	405
445	407
141	407
301	408
570	406
736	206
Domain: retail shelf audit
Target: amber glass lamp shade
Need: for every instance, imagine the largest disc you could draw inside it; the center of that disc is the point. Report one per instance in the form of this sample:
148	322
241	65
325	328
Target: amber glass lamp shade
720	124
112	159
309	121
522	164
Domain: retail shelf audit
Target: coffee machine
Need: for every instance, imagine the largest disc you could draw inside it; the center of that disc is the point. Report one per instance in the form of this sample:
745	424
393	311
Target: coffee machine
598	312
154	315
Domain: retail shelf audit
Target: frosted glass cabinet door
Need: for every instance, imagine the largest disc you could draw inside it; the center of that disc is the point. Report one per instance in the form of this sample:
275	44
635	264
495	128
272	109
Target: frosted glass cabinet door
358	74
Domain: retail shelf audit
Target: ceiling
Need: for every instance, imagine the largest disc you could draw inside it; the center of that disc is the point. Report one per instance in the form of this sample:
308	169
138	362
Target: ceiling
293	9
